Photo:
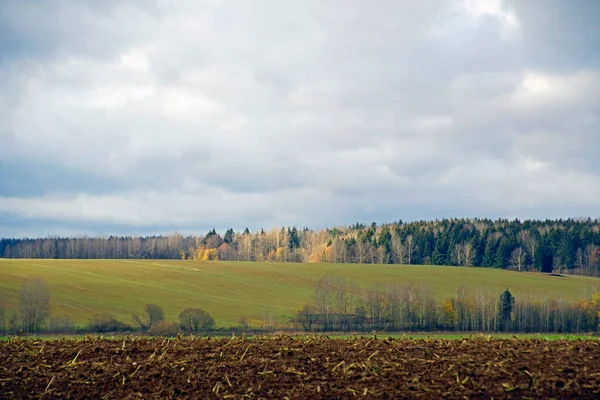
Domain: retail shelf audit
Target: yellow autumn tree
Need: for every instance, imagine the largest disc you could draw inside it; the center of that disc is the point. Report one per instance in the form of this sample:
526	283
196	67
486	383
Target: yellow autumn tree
328	255
449	315
200	252
210	254
280	255
316	256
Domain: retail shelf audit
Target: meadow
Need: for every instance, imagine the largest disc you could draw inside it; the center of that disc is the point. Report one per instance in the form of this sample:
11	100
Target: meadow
263	293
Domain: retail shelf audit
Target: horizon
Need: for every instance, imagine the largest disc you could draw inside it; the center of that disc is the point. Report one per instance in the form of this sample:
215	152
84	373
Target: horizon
365	225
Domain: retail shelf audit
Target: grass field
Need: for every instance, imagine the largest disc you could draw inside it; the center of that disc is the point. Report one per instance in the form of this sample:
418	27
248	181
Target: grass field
257	291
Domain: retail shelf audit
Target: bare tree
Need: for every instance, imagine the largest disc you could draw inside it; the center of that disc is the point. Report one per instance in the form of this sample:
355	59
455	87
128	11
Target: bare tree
398	250
362	250
155	315
34	304
457	254
375	305
518	258
410	248
591	257
530	243
324	298
580	260
463	254
468	254
305	317
195	320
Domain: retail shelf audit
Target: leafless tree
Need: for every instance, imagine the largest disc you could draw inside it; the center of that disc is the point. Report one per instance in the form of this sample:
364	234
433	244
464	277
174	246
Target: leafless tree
468	254
306	317
362	250
375	304
34	304
463	254
518	258
410	248
591	257
398	250
323	297
155	315
530	244
196	320
457	254
580	260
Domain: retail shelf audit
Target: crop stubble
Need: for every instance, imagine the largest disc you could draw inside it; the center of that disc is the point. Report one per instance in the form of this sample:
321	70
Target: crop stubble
293	367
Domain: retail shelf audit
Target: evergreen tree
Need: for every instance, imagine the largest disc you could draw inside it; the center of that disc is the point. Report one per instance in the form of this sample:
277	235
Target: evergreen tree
228	236
505	310
385	241
489	255
544	256
438	256
293	239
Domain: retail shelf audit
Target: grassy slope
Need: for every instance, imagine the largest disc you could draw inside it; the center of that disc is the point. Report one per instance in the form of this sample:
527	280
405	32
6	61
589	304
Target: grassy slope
229	290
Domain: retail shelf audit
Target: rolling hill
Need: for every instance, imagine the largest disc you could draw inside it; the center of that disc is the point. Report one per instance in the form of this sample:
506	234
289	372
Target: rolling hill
260	292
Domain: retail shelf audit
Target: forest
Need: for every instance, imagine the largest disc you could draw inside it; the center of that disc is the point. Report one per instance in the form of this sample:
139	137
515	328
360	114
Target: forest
561	246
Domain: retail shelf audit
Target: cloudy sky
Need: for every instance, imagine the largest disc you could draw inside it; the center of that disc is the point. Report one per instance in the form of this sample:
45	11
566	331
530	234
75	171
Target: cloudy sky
134	116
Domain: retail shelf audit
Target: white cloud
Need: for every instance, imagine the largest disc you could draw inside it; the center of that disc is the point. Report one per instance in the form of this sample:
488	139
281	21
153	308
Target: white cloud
181	103
135	60
305	112
547	89
498	9
431	122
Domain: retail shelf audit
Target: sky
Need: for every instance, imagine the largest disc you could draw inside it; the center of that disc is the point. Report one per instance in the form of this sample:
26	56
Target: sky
149	117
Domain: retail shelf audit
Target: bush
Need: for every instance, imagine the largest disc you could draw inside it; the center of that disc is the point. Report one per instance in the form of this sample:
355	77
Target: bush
155	315
164	329
195	320
60	324
102	323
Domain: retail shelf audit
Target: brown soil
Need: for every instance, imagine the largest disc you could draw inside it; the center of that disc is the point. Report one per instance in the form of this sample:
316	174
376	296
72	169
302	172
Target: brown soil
305	368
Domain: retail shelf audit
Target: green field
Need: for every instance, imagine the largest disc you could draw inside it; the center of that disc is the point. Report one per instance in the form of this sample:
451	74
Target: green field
258	291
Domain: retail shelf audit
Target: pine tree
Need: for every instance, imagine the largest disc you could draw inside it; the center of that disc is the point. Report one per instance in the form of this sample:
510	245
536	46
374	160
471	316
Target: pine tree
544	256
228	236
385	242
293	239
489	255
505	310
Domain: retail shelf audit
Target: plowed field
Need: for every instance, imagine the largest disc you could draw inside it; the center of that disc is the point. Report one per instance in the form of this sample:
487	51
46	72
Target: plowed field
304	368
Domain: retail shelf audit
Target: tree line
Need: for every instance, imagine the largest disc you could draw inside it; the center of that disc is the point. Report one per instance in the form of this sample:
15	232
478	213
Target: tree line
33	316
564	246
338	305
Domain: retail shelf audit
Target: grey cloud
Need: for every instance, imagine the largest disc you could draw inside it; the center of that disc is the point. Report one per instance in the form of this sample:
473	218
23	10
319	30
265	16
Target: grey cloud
560	35
309	113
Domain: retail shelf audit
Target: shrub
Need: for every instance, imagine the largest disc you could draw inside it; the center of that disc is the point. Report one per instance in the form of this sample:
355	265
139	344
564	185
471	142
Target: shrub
164	329
155	315
106	323
59	324
195	320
